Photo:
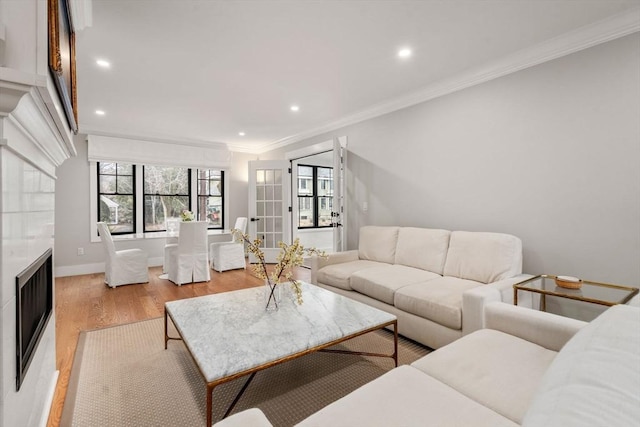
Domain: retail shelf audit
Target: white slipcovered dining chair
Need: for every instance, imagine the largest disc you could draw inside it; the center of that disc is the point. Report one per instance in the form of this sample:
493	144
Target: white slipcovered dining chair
125	266
229	255
188	260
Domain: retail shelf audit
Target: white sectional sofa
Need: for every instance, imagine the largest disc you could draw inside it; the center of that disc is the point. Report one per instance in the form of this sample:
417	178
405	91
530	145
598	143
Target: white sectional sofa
526	368
435	281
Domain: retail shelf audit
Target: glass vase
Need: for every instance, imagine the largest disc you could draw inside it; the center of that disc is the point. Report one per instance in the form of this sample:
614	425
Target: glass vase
272	296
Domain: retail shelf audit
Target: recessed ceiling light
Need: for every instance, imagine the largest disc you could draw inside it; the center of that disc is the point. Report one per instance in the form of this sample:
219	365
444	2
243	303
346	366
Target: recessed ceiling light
405	53
100	112
103	63
295	108
241	133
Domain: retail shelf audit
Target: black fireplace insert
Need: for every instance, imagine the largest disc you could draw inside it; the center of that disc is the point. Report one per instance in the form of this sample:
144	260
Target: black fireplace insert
34	296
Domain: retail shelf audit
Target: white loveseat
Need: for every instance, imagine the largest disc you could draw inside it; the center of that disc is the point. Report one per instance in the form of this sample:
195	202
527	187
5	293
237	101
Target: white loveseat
526	368
435	281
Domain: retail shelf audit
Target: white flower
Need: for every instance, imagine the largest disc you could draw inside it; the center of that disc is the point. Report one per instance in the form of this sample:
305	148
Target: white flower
187	215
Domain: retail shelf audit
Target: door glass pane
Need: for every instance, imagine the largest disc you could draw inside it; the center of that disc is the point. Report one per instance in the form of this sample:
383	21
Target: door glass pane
269	193
260	176
269	176
278	176
259	193
260	209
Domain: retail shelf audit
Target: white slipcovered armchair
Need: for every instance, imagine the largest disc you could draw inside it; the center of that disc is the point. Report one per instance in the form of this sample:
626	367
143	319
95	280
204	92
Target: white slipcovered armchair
122	267
188	260
229	255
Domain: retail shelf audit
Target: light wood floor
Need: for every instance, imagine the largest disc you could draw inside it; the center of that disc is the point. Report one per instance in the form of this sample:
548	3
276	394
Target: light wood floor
85	303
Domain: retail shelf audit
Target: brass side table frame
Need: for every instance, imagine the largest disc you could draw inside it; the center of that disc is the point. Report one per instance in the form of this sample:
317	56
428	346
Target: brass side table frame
592	292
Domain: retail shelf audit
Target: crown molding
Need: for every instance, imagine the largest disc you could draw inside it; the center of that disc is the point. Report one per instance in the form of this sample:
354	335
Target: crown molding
611	28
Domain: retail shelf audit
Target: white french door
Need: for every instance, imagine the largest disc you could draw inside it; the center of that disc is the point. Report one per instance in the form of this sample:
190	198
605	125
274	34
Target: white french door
269	201
338	214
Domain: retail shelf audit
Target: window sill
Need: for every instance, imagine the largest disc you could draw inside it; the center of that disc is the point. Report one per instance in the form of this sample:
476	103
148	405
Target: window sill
155	235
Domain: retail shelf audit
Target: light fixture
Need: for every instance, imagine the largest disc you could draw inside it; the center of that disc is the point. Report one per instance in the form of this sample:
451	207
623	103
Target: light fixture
404	53
241	133
100	112
295	108
103	63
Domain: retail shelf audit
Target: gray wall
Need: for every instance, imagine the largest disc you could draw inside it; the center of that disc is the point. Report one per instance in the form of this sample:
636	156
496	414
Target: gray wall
73	217
550	154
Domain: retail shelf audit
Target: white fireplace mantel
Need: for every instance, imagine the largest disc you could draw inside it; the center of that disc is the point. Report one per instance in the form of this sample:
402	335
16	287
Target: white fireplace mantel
28	102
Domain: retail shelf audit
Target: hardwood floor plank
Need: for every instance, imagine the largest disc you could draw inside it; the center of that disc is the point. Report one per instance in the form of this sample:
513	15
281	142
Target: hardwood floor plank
86	303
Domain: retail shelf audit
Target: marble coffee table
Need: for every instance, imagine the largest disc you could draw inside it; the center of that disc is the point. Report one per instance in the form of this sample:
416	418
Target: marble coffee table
230	335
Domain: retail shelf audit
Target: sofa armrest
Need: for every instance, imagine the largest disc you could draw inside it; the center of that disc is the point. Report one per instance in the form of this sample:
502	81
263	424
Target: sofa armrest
253	417
318	262
545	329
474	300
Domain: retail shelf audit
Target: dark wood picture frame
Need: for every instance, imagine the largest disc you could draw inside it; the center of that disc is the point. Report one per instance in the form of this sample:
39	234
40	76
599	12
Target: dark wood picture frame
62	58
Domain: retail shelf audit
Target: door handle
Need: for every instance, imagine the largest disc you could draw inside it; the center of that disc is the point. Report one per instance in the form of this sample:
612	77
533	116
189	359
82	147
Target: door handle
254	219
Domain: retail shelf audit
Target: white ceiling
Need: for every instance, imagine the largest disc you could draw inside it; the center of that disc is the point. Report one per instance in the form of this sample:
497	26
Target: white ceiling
198	70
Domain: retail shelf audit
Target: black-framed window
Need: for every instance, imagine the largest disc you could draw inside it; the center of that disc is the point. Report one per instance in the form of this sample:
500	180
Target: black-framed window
210	200
315	196
116	196
167	192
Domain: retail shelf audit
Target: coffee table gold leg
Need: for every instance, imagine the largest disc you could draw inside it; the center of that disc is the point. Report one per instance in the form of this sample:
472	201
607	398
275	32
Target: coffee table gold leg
395	343
166	336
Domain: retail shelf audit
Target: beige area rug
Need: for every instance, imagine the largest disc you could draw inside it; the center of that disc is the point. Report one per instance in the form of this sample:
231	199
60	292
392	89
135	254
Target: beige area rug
123	376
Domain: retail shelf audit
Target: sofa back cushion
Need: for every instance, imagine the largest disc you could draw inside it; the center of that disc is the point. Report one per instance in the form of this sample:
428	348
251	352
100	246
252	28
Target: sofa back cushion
483	257
595	379
378	243
422	248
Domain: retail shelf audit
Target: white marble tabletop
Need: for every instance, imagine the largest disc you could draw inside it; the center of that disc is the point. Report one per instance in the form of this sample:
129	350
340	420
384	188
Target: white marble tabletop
231	332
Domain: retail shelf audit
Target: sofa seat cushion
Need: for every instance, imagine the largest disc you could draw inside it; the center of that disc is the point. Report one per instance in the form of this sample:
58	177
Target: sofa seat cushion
422	248
439	300
497	370
339	275
382	282
405	397
595	379
483	257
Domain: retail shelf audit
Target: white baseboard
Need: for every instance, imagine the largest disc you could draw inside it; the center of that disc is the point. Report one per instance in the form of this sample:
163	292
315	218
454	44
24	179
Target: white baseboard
49	399
98	267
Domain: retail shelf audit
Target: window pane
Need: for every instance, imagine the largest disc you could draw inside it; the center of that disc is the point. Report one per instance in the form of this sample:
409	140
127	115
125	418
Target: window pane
324	213
305	214
125	184
158	208
108	184
125	169
325	178
117	211
210	197
116	199
215	187
212	209
107	168
166	180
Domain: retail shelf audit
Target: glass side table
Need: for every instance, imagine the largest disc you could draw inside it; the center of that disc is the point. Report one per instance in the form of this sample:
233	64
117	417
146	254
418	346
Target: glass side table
591	292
